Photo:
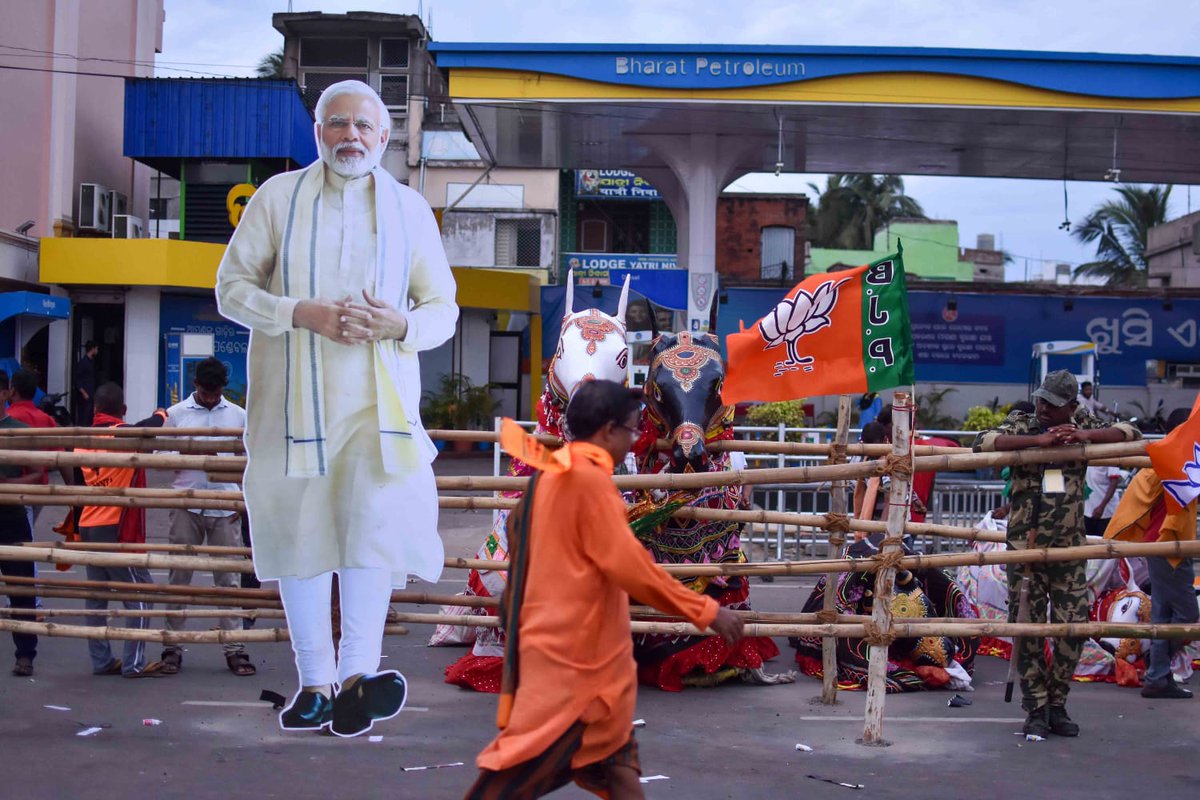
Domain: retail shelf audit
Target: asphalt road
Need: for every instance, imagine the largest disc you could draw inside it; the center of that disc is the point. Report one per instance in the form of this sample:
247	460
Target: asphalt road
217	740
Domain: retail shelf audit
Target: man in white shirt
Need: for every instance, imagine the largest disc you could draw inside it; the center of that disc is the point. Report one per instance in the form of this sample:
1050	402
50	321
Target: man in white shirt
1101	501
206	407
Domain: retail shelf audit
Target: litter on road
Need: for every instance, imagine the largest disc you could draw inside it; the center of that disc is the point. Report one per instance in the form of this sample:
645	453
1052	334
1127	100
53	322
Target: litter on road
434	766
654	778
57	708
803	748
89	731
838	783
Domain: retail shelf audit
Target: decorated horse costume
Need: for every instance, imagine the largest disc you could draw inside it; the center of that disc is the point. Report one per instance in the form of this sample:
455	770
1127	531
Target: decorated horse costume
591	346
683	405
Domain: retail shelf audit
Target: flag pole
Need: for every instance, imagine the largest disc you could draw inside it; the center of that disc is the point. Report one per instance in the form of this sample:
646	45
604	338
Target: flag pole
837	505
879	630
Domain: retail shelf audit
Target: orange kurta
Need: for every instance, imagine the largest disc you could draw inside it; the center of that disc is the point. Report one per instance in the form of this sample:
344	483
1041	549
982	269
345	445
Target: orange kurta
575	646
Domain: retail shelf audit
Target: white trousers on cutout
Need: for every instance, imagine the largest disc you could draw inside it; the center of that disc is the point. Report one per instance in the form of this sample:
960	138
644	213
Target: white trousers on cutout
364	600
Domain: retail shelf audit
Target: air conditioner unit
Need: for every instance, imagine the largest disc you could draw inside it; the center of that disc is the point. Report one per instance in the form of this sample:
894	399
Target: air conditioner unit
1187	370
127	226
118	203
95	208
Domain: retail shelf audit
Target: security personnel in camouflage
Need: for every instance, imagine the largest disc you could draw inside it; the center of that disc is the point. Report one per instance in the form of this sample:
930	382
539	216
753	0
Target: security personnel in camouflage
1047	502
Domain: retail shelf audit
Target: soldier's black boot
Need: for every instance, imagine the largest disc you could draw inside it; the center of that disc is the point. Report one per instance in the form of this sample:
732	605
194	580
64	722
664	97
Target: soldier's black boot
1035	724
1060	723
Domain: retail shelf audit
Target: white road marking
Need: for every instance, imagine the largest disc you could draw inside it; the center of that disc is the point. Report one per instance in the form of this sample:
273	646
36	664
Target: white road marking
937	720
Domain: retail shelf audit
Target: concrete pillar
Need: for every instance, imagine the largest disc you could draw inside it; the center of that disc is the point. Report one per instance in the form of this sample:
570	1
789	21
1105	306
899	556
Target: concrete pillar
141	351
702	164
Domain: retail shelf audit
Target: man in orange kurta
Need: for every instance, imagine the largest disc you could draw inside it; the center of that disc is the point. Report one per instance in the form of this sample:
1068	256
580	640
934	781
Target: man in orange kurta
572	712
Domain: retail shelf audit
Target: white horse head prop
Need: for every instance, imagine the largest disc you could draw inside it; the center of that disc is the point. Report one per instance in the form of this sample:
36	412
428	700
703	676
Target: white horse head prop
591	346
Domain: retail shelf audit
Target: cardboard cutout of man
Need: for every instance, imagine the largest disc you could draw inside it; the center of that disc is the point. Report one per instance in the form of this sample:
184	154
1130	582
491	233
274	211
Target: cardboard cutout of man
339	272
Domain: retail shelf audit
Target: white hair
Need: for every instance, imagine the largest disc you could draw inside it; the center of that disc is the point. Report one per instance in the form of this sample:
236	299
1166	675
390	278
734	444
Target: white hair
357	88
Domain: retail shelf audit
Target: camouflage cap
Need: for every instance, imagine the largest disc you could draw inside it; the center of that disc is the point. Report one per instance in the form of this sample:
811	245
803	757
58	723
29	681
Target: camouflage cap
1059	388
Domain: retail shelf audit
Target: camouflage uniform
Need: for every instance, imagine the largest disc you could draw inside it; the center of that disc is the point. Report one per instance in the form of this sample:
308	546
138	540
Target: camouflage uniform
1062	585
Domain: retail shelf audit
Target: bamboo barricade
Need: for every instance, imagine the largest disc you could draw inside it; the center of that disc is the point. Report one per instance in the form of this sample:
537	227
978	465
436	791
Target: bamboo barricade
161	636
879	629
174	444
837	512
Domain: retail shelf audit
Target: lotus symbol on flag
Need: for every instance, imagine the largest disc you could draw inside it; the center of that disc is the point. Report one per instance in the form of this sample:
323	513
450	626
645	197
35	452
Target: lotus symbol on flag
796	317
1188	489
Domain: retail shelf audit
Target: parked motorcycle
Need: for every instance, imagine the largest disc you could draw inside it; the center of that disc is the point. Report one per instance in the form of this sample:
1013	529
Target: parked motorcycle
54	405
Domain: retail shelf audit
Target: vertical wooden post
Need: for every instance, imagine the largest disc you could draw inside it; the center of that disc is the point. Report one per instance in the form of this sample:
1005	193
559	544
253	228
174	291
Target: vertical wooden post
837	505
885	578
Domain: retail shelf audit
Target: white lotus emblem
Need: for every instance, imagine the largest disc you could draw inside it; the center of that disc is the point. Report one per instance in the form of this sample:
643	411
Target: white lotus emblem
1187	490
796	317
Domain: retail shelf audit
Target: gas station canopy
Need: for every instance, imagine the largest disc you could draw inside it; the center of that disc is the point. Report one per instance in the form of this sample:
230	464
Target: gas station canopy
912	111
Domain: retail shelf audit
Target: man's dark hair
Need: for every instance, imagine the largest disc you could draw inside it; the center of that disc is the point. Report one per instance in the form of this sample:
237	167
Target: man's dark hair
89	345
1085	383
885	417
1024	406
1177	418
25	384
211	374
110	399
597	403
874	433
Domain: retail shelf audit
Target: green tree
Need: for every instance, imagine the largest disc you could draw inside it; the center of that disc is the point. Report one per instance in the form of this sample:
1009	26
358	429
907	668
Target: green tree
1119	228
852	207
270	65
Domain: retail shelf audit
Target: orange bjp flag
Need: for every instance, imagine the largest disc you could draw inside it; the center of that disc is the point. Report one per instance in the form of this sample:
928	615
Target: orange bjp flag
834	333
1176	460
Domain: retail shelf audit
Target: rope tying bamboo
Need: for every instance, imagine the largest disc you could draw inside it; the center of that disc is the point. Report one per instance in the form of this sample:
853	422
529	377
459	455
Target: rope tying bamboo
898	467
876	635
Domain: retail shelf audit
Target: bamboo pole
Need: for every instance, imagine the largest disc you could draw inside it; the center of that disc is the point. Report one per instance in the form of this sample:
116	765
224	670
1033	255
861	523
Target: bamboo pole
40	458
1105	550
186	613
115	596
176	444
837	505
122	433
161	636
121	547
235	595
885	578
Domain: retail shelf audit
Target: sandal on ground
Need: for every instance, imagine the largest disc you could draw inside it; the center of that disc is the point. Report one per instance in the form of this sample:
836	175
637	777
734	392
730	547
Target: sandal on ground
239	664
172	661
152	670
23	668
113	668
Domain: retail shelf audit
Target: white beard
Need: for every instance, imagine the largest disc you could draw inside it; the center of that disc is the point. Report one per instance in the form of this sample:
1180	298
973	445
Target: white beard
354	167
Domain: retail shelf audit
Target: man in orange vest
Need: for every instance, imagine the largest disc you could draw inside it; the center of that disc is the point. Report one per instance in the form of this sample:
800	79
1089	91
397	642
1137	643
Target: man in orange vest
113	524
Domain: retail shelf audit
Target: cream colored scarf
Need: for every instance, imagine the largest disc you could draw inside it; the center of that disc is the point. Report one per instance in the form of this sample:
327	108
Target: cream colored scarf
304	405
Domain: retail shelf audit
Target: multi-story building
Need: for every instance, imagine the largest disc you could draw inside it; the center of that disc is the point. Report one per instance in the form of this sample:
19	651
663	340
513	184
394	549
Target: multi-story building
1173	253
64	66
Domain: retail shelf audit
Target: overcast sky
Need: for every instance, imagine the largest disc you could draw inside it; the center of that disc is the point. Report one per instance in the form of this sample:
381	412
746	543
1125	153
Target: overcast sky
228	37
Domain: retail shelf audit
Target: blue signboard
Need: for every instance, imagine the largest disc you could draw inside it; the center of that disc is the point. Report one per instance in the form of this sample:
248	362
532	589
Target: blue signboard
987	338
180	313
613	184
734	66
657	277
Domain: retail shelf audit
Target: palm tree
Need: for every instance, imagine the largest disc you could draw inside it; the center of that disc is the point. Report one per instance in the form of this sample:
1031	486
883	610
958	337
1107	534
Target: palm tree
271	65
852	207
1119	228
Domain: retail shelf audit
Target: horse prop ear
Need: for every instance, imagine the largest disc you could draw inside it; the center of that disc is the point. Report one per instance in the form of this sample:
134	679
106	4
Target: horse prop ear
712	315
624	301
570	306
653	319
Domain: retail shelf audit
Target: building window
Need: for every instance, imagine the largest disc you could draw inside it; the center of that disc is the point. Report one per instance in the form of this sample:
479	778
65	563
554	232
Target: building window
394	90
778	252
593	236
393	53
159	207
318	52
518	243
316	82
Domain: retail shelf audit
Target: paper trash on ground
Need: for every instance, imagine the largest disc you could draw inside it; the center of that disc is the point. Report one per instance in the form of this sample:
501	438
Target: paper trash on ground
654	778
57	708
89	731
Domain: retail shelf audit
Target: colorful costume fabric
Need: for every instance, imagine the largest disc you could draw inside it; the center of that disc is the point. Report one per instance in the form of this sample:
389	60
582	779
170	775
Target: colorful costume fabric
671	662
930	662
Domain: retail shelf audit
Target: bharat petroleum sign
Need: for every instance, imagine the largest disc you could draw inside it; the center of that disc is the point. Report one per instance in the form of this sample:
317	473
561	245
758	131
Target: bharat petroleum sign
711	66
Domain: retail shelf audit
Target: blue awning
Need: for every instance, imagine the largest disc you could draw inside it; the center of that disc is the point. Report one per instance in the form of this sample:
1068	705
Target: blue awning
32	304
